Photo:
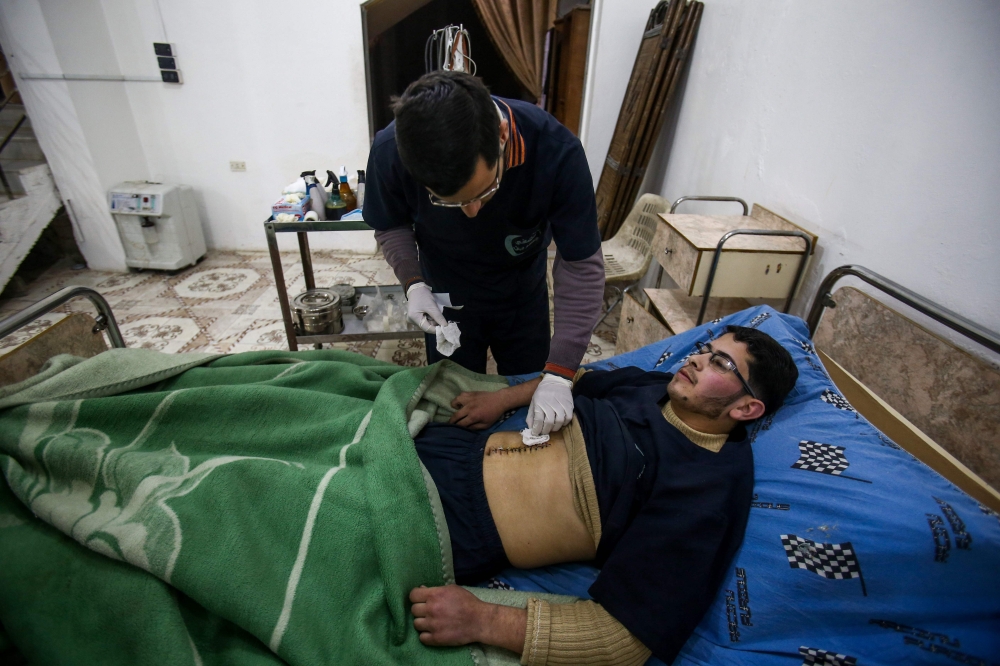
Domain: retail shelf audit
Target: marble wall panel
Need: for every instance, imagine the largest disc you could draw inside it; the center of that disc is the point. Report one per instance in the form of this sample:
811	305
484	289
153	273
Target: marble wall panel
952	396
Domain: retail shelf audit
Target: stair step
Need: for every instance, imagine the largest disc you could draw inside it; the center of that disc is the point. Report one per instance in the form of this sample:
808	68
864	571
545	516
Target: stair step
21	151
24	135
12	110
13	166
8	117
10	170
7	124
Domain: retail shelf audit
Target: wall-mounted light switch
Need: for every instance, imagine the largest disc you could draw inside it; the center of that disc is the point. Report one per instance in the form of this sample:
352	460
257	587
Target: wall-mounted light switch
237	166
166	60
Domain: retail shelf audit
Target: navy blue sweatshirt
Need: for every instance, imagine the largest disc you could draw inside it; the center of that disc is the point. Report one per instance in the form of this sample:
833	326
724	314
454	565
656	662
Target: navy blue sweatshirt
673	514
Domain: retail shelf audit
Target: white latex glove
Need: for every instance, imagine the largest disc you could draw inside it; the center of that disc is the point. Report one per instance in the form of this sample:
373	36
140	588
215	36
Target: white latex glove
551	405
422	309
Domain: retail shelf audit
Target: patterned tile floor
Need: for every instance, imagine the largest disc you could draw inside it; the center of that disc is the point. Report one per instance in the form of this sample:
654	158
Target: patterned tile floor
228	303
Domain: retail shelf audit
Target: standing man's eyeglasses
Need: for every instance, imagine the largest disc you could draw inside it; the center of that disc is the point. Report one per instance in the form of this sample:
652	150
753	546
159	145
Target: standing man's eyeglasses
438	201
722	364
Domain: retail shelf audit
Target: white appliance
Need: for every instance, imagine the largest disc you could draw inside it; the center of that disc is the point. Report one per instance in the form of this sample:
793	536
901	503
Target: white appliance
158	223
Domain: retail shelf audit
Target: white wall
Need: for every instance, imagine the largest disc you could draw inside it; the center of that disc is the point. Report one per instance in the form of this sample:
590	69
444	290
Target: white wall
280	86
873	124
614	42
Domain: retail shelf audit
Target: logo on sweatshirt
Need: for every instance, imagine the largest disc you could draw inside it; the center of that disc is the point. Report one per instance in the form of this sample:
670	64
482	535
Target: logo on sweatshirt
518	245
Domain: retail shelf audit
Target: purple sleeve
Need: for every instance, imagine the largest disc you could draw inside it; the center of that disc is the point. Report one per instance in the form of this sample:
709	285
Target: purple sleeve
578	293
399	245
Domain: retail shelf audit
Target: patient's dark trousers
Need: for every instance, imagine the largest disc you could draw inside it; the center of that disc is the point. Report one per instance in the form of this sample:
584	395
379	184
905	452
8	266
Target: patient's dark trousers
454	458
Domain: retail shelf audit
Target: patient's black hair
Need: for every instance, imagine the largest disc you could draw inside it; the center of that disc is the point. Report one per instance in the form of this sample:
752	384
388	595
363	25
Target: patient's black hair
446	121
772	371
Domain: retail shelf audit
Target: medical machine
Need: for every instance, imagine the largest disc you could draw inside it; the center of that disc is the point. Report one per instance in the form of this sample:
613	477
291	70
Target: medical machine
158	223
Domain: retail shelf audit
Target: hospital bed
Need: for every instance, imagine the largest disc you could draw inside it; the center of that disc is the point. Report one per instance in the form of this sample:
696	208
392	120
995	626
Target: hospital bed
868	541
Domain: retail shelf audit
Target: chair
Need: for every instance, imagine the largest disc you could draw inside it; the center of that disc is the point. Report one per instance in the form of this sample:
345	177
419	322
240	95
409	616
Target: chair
627	255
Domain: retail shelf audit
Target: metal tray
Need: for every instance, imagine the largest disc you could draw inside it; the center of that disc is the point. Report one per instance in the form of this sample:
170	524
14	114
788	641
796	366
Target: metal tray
354	328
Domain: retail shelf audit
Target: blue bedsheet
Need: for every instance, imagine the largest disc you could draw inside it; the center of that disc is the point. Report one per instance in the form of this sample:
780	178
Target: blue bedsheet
855	551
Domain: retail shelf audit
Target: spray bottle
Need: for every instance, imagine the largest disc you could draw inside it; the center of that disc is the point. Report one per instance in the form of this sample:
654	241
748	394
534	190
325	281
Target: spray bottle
361	188
315	192
345	191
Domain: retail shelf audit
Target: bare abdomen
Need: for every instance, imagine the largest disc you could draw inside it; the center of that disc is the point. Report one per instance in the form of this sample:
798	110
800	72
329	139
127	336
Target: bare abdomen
531	497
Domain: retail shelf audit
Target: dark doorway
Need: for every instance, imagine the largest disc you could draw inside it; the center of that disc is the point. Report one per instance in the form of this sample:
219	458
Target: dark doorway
396	51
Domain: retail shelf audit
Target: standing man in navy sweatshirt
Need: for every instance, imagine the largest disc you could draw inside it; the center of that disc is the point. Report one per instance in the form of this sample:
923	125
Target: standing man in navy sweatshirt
465	192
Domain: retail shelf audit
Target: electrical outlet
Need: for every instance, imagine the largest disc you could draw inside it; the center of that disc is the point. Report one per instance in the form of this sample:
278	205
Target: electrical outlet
237	166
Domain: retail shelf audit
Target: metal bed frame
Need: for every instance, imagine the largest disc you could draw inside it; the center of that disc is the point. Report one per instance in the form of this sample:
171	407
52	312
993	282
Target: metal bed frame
104	321
953	320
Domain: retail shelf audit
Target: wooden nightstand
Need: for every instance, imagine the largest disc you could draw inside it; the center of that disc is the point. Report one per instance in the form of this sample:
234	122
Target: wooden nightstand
749	266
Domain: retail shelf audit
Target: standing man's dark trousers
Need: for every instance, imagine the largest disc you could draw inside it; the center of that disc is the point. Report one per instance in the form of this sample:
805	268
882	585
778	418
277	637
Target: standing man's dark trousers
518	335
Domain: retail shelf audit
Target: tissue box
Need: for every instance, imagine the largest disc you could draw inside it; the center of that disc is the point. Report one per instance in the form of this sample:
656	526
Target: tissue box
297	209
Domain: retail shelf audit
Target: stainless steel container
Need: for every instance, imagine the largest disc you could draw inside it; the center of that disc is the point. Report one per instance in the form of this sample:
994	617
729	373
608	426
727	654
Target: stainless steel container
348	297
317	312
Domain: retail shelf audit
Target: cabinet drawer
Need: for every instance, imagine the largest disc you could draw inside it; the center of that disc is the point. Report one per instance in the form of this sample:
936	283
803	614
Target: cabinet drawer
637	328
747	274
678	257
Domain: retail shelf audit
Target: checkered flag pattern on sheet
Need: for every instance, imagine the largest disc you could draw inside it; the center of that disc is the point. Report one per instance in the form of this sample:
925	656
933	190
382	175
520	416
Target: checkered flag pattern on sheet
806	347
835	561
759	319
822	458
812	656
497	584
837	400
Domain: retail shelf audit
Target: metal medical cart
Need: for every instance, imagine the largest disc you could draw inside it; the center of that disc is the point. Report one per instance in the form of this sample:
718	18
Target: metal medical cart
354	328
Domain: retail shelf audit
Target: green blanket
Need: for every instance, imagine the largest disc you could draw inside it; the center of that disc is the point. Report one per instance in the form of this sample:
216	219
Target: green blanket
255	508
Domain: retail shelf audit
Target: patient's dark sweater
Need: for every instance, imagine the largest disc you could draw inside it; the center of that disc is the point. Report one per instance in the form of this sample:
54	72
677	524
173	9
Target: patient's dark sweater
673	514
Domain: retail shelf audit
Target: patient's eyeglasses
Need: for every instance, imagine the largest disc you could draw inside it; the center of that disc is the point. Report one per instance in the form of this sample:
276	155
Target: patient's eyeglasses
438	201
722	363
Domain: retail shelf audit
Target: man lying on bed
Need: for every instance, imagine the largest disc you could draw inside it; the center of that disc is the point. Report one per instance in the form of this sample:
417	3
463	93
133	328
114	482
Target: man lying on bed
651	481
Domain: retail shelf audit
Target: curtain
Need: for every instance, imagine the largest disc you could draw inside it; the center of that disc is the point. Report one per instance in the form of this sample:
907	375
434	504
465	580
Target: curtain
517	29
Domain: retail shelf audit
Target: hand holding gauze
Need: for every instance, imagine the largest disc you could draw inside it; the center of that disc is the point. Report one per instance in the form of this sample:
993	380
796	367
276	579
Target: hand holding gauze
422	309
551	405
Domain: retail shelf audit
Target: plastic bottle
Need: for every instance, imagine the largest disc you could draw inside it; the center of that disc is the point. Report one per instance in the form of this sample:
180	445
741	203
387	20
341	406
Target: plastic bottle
315	192
345	191
361	188
335	206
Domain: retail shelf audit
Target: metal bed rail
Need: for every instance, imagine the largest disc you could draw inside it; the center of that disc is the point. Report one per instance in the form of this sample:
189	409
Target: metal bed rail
105	320
698	197
953	320
755	232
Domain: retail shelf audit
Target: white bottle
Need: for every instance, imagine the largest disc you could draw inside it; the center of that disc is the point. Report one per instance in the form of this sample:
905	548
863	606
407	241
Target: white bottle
317	195
361	188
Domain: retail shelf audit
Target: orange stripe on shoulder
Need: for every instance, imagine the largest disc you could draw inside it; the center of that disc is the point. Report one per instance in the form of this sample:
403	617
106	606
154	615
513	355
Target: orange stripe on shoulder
515	157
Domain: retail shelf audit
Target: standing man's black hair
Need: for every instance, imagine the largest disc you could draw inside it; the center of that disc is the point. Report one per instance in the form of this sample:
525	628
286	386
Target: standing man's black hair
772	371
446	121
